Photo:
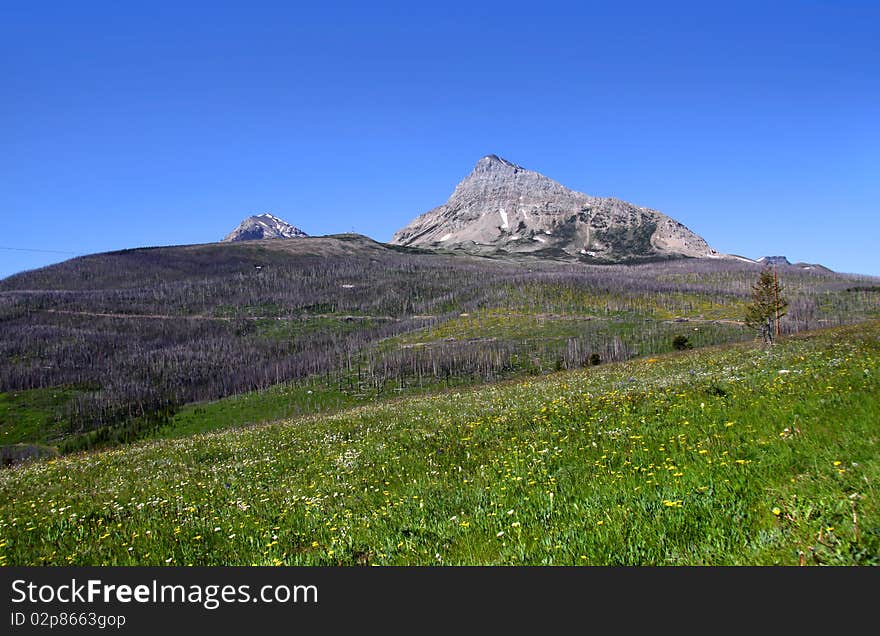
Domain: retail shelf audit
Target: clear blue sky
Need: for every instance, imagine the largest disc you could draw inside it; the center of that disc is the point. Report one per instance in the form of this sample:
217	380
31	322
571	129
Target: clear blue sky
129	124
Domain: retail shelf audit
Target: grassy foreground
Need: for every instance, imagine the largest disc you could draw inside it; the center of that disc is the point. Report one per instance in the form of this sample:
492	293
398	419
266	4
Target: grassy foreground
721	456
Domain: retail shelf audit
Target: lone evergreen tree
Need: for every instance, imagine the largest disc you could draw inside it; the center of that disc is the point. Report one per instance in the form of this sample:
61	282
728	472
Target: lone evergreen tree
767	306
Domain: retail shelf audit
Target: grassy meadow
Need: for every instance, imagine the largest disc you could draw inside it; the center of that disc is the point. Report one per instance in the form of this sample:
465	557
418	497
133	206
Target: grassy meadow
725	455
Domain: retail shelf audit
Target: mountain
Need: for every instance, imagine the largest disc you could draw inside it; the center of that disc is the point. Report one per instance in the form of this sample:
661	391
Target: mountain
502	207
263	226
783	261
774	260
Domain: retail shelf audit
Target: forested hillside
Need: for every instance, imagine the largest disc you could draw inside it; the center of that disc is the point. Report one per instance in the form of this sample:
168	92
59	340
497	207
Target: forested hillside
107	348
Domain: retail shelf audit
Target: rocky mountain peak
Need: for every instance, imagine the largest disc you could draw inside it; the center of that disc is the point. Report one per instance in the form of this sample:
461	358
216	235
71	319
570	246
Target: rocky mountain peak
494	162
774	260
501	206
263	226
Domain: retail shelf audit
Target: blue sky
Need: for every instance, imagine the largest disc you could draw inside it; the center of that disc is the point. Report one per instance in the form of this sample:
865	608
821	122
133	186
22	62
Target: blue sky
130	124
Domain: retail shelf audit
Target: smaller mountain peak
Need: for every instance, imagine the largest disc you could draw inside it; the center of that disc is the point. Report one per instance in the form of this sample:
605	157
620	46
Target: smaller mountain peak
263	226
774	260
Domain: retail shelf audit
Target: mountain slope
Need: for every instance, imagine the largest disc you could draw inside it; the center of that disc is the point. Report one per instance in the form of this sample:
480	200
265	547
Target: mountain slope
263	226
503	206
105	348
684	459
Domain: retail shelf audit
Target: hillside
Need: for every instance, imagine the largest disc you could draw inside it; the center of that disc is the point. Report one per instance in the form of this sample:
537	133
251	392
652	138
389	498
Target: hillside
724	456
115	347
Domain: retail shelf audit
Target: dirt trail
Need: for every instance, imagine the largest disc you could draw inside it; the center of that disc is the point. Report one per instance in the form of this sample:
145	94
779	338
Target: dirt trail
148	316
204	317
352	317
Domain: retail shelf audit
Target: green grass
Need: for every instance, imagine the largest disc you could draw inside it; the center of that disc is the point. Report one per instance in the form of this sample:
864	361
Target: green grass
565	299
721	456
499	324
275	403
287	329
545	337
34	416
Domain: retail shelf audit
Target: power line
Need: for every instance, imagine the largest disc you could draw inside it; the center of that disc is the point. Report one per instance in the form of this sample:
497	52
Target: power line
31	249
